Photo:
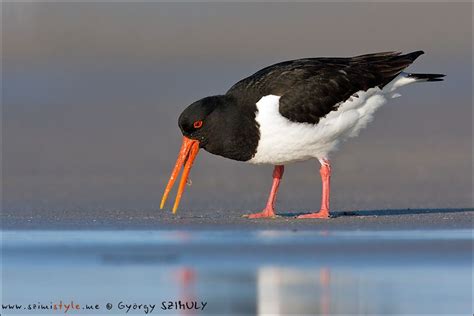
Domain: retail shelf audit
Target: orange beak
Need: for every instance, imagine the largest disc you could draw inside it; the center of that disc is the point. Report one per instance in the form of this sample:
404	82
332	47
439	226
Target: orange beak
186	157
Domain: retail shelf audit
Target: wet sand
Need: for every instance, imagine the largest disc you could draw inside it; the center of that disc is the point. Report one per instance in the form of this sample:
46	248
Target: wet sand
390	219
397	262
265	272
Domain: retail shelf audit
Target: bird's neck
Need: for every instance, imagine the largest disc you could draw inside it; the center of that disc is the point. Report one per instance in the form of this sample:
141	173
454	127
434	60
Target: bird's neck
235	131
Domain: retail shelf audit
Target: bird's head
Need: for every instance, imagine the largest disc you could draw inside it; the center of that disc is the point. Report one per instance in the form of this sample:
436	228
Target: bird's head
198	120
202	126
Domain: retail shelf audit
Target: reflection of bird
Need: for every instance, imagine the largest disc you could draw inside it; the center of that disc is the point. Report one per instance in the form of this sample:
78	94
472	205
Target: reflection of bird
187	278
325	297
292	111
294	291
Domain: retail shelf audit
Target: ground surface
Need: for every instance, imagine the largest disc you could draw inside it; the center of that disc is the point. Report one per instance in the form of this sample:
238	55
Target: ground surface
232	219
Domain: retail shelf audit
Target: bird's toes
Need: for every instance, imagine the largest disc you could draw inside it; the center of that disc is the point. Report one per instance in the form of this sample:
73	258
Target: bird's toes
264	214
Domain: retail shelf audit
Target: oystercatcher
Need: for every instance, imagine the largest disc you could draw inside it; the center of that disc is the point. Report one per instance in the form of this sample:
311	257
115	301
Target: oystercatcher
292	111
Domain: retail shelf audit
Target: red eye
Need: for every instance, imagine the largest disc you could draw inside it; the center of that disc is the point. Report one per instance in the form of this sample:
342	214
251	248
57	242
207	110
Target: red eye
197	124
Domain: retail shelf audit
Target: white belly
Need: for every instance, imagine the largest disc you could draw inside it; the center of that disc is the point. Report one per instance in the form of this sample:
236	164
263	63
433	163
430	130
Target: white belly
283	141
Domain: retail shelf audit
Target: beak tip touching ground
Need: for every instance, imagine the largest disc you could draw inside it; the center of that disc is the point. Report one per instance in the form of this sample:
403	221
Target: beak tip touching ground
175	208
186	157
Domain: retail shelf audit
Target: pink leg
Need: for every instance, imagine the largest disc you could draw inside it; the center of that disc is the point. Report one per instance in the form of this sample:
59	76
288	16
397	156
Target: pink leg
325	172
269	210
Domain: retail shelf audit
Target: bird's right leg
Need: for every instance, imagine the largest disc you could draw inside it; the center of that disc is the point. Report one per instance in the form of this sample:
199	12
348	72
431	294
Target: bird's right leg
269	210
325	172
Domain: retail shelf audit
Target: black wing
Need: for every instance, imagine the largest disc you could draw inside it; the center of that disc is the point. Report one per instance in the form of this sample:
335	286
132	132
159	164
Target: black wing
311	88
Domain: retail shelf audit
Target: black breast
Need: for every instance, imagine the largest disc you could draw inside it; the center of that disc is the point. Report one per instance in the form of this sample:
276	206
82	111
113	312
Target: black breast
234	131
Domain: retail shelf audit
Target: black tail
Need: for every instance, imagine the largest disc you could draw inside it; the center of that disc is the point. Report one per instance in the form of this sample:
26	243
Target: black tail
391	64
413	55
427	77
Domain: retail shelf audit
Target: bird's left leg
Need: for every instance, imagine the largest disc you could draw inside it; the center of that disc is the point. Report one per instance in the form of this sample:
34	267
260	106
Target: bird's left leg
269	210
325	172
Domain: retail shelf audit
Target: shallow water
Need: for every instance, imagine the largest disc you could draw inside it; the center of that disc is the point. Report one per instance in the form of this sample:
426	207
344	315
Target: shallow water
241	272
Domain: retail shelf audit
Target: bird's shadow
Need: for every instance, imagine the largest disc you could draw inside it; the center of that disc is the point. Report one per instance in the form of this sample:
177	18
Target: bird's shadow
388	212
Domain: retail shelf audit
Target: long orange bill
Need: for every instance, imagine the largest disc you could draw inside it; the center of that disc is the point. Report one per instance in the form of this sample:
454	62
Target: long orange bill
187	155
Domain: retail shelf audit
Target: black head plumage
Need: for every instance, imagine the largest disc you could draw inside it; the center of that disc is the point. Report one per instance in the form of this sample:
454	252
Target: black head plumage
222	126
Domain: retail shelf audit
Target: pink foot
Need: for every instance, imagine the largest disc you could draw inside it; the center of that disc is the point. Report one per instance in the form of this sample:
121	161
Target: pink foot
323	214
266	213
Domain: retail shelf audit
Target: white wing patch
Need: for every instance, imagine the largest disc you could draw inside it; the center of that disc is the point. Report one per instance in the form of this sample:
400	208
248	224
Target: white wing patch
283	141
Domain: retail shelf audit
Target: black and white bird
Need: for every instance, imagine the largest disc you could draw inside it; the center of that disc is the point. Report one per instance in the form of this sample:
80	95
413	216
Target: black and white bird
292	111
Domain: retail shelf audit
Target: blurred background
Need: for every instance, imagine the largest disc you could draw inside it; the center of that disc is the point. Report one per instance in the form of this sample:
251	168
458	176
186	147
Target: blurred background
92	92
